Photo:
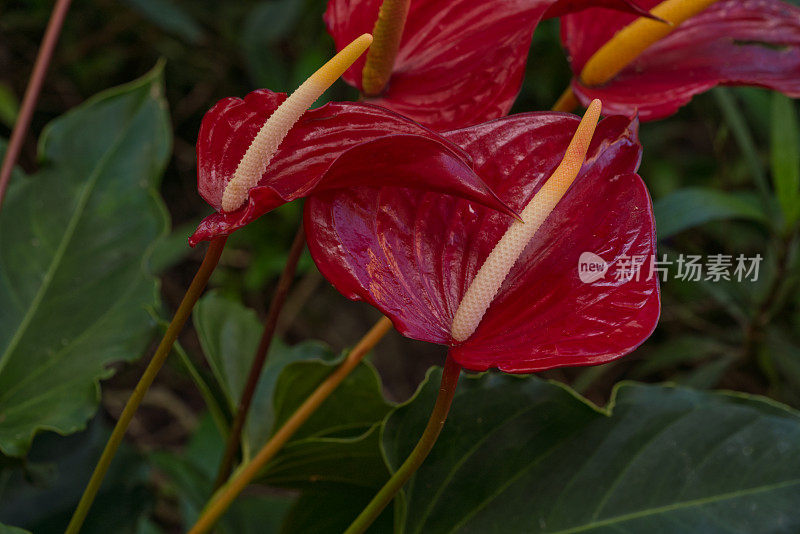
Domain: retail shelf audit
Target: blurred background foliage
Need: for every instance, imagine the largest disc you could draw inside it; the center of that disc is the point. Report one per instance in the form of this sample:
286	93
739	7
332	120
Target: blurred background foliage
723	174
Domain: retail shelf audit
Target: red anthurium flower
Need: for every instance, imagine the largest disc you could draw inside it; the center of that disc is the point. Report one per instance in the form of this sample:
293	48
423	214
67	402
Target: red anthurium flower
732	42
338	145
414	254
459	62
260	152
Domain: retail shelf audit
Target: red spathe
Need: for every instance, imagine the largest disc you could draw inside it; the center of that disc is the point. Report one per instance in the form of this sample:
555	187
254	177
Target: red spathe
338	145
413	253
461	62
733	42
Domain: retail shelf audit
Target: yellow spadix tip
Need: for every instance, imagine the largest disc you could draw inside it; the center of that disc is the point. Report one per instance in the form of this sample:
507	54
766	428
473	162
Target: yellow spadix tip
333	69
484	287
630	41
269	137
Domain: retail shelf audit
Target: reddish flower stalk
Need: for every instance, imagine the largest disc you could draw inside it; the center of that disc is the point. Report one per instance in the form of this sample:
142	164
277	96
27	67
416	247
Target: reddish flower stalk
441	408
249	390
43	58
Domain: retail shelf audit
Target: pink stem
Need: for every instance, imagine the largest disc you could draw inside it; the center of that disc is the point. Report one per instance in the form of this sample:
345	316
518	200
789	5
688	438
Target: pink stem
32	92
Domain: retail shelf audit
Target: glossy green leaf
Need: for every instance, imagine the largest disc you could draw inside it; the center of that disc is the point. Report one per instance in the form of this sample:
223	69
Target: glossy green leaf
340	415
524	455
41	492
74	241
229	334
340	441
310	462
331	509
191	475
785	156
690	207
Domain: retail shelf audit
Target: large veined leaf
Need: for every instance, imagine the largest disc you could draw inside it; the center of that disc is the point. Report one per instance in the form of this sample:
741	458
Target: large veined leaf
191	477
41	493
344	428
73	243
229	334
524	455
330	510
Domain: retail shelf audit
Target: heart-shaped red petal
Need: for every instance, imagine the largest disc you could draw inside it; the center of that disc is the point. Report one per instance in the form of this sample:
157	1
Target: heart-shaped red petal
413	254
336	145
733	42
461	62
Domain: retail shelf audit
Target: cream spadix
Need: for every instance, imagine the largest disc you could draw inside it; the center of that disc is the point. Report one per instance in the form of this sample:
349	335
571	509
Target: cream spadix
495	268
269	137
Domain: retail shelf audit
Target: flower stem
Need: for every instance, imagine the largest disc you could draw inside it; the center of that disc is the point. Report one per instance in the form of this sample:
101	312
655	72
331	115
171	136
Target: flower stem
387	33
447	390
32	92
221	500
279	297
566	102
164	348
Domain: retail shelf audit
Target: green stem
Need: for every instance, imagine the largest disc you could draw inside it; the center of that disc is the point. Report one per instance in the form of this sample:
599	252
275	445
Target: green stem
447	390
224	496
164	348
282	289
